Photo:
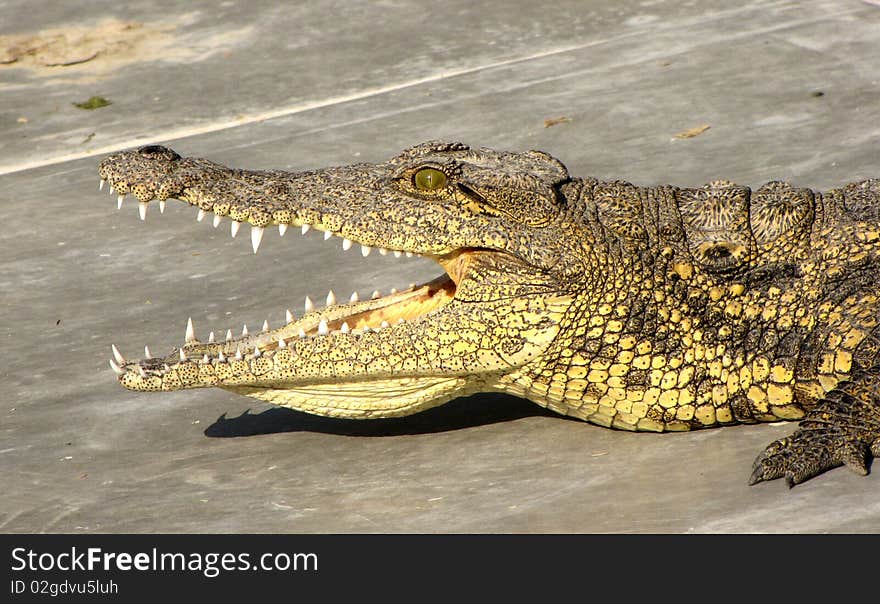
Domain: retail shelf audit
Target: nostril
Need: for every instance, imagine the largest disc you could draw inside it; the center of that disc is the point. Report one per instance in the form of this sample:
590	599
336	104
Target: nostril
158	152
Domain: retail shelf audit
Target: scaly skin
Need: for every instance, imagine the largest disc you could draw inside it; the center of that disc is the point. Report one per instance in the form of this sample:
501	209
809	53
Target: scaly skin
635	308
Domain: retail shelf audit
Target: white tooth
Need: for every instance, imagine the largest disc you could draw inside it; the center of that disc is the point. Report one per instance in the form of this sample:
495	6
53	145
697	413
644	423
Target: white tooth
238	355
375	294
116	355
221	357
398	253
400	320
305	228
101	185
354	298
301	334
327	235
233	228
266	325
288	316
383	251
119	370
257	352
345	328
211	338
182	355
201	215
217	219
256	237
161	206
331	298
412	286
384	324
393	290
190	332
142	210
111	189
228	335
244	331
346	244
282	228
141	372
206	360
147	352
119	201
322	328
365	250
309	305
282	343
409	254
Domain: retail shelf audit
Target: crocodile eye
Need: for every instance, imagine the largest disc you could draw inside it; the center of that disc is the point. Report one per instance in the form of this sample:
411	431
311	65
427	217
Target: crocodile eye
429	179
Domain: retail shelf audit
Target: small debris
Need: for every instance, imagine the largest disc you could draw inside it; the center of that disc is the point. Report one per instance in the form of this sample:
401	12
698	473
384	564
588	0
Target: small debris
58	322
555	120
22	120
692	132
96	102
817	93
599	454
88	138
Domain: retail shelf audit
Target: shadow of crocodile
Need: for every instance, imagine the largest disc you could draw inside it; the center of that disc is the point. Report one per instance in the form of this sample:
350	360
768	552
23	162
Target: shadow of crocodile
468	412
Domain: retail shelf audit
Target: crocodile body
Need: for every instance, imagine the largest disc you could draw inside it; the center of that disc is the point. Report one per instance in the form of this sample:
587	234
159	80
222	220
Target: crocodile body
651	309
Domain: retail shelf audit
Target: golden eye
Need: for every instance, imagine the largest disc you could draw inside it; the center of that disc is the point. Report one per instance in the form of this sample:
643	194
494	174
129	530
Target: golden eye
429	179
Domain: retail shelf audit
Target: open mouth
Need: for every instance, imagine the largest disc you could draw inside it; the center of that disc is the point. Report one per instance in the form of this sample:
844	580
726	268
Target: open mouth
352	318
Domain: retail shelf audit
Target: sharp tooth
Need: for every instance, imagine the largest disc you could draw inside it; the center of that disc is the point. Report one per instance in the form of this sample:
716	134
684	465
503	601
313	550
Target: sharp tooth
116	355
365	250
322	328
393	290
412	286
400	320
233	228
244	331
282	343
384	324
288	316
346	244
383	251
345	328
409	254
309	305
238	355
211	338
256	237
266	325
119	201
305	228
141	372
190	332
257	352
354	298
375	294
161	206
301	334
206	360
398	253
119	370
182	355
142	210
111	189
101	185
147	352
221	357
327	235
217	219
331	298
228	335
201	215
282	228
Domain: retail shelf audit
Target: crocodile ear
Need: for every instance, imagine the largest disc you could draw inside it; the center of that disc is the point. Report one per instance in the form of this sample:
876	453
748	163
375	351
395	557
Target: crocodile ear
524	186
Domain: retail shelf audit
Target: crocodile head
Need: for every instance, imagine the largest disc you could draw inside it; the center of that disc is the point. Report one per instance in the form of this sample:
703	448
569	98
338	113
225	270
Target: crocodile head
497	224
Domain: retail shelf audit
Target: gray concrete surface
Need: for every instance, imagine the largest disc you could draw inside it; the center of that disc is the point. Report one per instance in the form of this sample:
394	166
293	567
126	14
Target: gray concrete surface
789	89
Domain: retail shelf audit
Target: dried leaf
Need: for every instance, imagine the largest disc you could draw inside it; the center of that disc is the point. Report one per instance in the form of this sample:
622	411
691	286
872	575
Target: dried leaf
692	132
555	120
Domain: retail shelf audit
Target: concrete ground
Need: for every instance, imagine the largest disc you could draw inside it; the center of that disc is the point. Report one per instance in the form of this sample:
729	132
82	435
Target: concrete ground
788	89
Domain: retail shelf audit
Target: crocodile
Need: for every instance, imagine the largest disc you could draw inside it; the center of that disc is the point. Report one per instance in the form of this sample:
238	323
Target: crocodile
638	308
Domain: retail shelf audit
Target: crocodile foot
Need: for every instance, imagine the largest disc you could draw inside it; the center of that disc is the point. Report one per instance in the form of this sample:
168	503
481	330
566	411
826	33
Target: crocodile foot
844	429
